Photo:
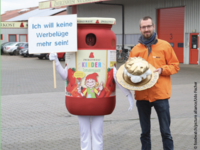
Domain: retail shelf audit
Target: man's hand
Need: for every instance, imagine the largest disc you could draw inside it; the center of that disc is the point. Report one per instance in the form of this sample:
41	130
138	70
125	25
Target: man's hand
159	70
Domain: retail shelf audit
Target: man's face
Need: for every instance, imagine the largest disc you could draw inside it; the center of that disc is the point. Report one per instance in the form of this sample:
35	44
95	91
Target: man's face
90	83
147	28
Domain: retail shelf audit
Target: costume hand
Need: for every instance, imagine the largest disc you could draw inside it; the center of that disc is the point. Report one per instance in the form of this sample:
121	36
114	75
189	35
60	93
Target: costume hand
62	72
53	56
114	72
159	70
101	86
130	99
124	90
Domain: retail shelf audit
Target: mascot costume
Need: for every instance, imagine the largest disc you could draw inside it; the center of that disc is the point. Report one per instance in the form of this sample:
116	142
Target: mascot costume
90	77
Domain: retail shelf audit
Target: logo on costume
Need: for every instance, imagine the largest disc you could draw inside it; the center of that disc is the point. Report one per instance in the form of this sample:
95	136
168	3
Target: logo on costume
91	62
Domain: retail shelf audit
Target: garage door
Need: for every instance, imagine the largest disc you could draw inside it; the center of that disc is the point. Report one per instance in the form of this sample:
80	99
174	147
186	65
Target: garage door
171	28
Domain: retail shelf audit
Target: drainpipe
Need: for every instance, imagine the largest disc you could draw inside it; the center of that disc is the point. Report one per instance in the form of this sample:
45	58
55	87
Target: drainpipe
122	19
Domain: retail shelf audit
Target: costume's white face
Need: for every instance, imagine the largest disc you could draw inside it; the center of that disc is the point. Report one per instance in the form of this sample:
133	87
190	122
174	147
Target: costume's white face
147	28
90	83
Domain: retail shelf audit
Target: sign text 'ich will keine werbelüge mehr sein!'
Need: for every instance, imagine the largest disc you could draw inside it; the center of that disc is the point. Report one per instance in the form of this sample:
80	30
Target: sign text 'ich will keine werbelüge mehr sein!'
53	34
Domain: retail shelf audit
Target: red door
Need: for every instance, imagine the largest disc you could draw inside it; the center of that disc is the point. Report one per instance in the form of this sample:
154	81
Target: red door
171	28
194	45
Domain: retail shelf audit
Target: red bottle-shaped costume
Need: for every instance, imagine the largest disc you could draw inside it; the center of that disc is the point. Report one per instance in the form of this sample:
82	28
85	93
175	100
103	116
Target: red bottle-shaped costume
90	87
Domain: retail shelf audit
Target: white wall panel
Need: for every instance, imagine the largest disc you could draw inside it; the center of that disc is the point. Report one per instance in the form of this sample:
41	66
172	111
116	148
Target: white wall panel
186	48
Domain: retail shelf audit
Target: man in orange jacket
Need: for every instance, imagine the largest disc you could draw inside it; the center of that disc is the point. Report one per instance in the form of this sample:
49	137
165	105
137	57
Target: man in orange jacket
161	55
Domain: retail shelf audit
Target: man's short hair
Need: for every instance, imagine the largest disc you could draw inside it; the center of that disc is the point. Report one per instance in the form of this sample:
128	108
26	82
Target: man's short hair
146	18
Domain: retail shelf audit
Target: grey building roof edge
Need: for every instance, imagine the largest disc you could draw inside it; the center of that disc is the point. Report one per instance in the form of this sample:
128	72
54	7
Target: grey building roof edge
37	13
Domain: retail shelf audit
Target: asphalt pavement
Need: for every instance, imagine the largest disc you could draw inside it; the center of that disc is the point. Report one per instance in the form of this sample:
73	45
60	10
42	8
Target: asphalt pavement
34	116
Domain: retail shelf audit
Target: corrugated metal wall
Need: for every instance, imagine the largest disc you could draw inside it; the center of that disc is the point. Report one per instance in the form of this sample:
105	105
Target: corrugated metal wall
5	33
136	9
96	10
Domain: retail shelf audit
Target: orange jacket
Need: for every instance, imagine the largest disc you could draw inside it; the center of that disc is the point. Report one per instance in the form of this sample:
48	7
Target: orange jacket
162	56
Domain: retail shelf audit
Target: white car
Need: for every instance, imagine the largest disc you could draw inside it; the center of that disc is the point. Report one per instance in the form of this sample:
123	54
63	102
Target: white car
12	48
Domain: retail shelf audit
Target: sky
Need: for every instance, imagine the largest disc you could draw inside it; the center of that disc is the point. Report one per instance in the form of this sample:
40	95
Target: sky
18	4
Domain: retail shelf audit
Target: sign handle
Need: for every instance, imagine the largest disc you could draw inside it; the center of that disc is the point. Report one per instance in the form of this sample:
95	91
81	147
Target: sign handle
54	74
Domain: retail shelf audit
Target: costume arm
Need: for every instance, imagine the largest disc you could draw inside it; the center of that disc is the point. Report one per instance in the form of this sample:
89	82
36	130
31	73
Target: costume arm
124	90
63	72
172	63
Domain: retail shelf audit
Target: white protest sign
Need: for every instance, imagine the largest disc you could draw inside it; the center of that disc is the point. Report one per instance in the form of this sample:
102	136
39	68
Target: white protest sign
52	34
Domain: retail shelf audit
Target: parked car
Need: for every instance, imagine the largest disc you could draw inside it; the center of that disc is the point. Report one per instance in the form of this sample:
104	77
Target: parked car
12	48
22	46
43	55
61	56
46	56
24	52
2	46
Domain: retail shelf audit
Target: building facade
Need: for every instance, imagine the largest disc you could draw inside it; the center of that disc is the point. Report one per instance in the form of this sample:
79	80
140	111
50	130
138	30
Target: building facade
14	32
176	21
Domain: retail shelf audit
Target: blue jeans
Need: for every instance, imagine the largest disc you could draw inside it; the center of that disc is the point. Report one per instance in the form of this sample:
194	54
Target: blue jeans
162	110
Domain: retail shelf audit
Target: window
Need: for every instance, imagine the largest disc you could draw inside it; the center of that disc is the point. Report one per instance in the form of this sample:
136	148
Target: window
23	38
19	44
194	41
172	44
12	38
180	44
